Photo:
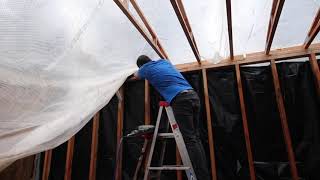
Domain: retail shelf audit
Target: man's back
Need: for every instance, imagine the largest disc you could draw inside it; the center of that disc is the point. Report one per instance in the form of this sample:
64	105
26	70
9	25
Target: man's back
164	77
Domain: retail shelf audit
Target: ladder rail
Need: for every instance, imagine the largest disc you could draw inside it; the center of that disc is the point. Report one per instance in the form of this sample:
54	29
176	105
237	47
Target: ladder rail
163	150
180	144
154	138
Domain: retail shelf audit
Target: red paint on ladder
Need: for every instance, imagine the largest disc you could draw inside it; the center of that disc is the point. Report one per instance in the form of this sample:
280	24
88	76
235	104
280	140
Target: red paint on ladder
174	126
164	103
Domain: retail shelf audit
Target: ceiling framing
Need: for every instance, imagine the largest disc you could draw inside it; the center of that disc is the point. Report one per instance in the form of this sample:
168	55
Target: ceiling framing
178	7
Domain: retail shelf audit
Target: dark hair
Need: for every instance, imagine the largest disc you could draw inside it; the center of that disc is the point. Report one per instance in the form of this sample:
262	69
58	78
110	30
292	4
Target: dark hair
143	59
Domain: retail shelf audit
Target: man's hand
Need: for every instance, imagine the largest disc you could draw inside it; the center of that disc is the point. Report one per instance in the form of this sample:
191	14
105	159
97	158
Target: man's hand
133	77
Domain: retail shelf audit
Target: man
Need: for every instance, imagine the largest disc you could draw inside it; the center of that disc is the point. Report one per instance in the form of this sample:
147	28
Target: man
184	101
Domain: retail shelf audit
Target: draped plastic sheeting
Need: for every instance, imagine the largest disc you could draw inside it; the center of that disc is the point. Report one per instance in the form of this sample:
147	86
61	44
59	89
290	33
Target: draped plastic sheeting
61	61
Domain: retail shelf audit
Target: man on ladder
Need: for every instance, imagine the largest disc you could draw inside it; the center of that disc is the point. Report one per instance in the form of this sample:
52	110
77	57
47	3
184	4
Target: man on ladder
185	103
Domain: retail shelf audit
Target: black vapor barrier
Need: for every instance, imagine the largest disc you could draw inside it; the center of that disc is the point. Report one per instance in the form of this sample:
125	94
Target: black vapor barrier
302	109
133	117
107	140
230	151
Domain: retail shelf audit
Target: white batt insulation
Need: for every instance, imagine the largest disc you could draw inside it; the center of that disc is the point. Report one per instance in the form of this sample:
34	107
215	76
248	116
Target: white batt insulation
62	60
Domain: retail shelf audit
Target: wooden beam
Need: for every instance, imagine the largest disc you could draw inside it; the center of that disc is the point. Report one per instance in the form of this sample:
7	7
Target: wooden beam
315	71
120	133
126	3
253	58
229	17
209	125
245	124
94	146
178	162
154	43
149	28
315	27
47	164
183	19
284	121
276	10
69	158
147	118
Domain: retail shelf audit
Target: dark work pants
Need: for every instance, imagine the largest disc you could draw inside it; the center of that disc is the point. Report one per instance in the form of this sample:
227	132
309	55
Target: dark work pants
186	108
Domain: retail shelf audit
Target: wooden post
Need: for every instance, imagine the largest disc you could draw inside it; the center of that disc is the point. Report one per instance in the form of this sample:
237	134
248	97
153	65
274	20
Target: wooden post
147	119
210	133
47	164
245	124
69	158
178	161
119	133
315	70
284	122
94	146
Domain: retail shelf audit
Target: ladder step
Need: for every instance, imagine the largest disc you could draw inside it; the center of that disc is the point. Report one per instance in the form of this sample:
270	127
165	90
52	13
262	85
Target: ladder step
170	167
166	135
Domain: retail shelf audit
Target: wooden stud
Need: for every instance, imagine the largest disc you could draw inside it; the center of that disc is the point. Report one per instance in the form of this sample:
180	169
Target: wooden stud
133	20
94	146
209	125
252	58
276	10
284	121
47	164
69	158
315	71
178	162
147	120
315	27
183	19
125	3
245	124
119	133
229	17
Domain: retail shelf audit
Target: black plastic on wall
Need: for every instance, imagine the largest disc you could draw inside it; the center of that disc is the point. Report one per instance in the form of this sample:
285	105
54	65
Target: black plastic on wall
58	160
133	117
81	155
230	152
107	140
302	109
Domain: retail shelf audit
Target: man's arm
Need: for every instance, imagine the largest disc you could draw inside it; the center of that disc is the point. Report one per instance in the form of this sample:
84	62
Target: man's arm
134	77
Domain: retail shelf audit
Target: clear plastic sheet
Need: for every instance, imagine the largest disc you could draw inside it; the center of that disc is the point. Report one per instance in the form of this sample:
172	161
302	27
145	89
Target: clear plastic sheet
62	61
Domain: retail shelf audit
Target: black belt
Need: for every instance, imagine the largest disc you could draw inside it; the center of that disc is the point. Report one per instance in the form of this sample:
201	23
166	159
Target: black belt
186	91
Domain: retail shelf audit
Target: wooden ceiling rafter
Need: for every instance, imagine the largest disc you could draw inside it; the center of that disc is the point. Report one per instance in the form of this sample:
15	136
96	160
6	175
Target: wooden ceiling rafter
315	27
153	40
276	10
229	17
184	22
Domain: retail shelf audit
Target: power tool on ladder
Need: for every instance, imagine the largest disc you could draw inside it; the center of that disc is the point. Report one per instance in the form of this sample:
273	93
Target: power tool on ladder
176	134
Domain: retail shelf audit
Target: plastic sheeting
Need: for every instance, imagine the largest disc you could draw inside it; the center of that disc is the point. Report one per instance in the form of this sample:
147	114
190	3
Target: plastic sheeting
62	61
